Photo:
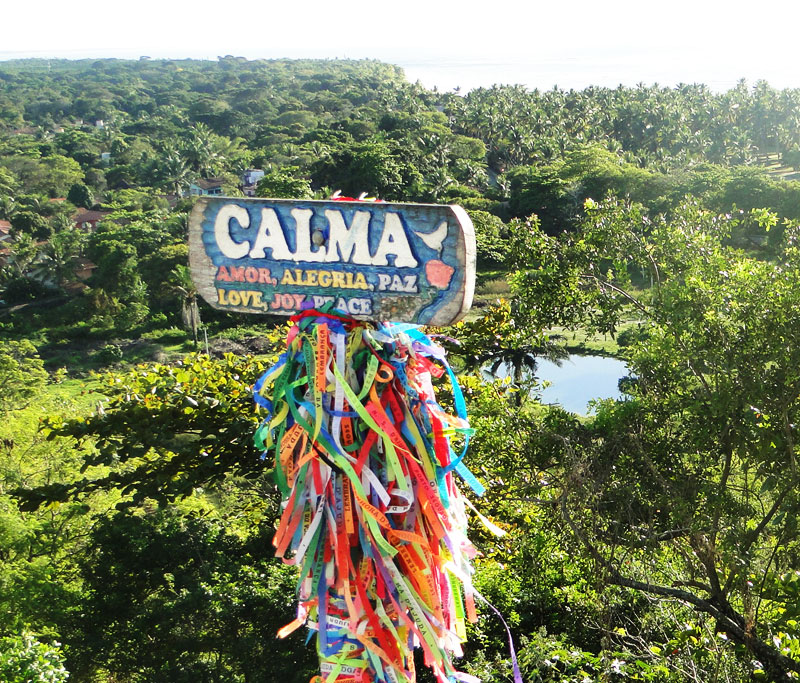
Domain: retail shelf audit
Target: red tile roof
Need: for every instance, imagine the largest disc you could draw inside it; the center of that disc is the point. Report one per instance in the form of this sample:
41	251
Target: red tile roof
88	216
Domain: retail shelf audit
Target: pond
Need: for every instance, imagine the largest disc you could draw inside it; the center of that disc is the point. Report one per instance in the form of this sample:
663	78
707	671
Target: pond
578	380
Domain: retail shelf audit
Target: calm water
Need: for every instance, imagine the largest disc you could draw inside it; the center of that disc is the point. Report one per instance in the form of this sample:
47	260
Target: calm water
578	380
581	379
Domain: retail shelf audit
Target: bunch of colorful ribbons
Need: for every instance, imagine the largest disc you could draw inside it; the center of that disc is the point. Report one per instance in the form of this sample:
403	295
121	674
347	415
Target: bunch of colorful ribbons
371	516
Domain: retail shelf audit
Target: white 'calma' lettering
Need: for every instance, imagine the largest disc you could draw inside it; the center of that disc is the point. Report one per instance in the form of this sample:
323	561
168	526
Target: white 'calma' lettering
350	244
345	244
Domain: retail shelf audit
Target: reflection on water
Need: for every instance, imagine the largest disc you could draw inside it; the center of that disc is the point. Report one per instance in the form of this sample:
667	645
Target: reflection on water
578	380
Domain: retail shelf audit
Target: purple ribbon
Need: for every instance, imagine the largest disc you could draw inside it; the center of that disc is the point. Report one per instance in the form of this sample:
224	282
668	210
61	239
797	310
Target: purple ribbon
514	664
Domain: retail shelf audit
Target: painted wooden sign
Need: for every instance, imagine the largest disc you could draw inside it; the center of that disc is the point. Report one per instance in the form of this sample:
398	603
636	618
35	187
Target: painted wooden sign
371	260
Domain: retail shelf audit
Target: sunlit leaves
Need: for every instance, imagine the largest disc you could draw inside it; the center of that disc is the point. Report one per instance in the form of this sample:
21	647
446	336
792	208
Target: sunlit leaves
165	431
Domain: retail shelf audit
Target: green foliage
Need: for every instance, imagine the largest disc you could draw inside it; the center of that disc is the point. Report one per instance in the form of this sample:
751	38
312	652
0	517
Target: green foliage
8	183
650	124
283	184
375	167
22	374
541	191
52	176
490	237
31	224
80	195
109	354
594	172
119	294
185	427
20	290
173	597
655	541
24	659
692	483
792	158
38	585
58	258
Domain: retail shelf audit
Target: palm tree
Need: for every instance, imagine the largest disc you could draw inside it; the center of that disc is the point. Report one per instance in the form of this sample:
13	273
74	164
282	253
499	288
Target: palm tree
174	171
497	341
58	256
203	151
8	207
180	281
8	184
23	251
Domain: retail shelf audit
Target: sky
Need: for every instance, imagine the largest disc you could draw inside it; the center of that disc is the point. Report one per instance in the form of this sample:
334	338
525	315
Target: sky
572	42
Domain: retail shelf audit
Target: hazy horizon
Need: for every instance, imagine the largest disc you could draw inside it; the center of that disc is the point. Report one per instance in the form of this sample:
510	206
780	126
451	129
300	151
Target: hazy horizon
444	44
575	69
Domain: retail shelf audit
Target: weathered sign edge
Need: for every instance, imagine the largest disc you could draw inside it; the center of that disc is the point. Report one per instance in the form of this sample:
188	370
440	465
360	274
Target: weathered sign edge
470	265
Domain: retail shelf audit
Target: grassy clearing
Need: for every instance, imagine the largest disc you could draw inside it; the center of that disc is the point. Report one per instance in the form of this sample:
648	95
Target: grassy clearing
81	393
80	358
490	285
587	343
493	285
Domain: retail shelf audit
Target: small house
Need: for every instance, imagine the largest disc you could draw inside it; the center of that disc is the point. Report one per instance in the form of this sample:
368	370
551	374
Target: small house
86	219
83	269
251	176
250	180
206	187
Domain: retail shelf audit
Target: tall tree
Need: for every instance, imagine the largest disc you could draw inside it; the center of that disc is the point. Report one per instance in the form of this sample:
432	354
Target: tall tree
180	281
689	491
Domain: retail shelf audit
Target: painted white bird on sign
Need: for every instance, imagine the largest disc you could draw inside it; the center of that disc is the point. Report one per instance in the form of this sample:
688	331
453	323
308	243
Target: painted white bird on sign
434	239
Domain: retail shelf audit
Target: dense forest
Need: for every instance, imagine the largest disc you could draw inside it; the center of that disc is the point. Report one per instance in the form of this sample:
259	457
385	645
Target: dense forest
655	539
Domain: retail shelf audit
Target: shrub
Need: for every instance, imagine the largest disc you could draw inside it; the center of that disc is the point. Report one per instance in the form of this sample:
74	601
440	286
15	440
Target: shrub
110	353
20	290
23	659
491	237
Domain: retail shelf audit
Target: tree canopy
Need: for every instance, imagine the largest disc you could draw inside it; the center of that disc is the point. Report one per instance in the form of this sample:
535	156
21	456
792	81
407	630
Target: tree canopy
654	539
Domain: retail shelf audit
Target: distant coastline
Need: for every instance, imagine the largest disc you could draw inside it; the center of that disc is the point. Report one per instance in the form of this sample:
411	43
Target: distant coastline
575	70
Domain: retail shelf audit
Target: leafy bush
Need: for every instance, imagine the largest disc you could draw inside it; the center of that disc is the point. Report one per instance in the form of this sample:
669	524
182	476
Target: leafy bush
248	331
481	204
156	322
21	290
110	353
632	335
284	183
23	659
172	598
22	373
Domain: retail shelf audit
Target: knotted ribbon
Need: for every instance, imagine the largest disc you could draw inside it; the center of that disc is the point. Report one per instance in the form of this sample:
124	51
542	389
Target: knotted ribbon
371	514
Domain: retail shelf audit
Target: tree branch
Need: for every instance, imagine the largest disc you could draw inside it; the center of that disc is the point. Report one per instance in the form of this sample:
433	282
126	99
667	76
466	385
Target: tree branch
775	664
752	537
641	307
605	283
